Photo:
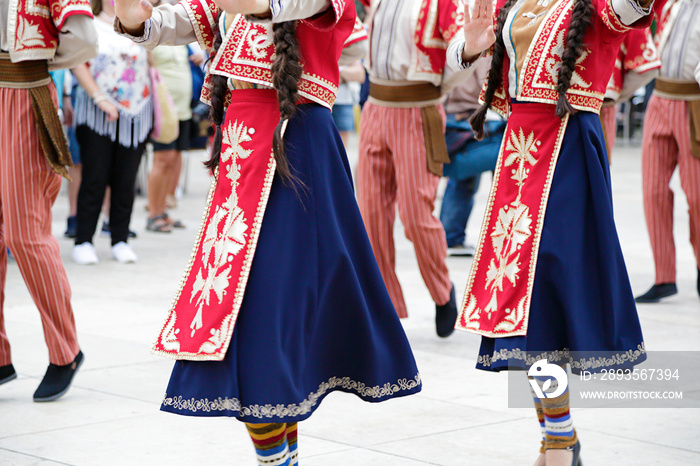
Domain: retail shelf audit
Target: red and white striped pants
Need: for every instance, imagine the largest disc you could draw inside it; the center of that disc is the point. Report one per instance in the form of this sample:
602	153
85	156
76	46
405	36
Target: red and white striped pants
393	169
28	189
666	144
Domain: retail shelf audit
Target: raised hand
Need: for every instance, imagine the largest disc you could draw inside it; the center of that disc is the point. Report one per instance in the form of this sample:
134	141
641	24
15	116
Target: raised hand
478	28
132	14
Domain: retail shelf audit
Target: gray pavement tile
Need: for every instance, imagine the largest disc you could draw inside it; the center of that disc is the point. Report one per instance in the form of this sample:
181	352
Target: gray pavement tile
111	415
11	458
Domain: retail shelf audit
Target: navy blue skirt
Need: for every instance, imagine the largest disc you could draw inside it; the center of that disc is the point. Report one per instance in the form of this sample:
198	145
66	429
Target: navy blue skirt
316	316
582	310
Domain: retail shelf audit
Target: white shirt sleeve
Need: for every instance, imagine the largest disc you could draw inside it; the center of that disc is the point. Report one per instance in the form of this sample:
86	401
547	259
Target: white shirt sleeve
168	25
629	11
697	73
77	43
292	10
455	71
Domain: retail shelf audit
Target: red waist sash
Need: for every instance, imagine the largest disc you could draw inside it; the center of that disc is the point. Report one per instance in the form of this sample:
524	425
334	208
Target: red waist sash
201	320
497	299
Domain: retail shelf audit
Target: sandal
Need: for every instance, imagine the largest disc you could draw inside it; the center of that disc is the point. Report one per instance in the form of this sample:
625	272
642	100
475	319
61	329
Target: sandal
173	223
159	224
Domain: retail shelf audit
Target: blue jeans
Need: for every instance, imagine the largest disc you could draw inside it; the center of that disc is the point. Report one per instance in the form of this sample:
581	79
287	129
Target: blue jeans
470	158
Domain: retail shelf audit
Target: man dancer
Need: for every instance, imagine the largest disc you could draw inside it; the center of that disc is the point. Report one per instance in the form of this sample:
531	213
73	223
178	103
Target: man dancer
37	36
637	64
402	145
672	138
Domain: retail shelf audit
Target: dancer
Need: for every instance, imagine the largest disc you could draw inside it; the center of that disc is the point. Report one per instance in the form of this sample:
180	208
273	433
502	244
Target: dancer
672	139
282	302
548	279
33	156
402	141
637	64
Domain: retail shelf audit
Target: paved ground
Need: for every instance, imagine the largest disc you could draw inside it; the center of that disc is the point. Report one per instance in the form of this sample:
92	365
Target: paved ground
111	417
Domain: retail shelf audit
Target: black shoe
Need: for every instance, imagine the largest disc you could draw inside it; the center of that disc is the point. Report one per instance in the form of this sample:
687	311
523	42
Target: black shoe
657	292
446	316
577	454
57	380
107	231
71	227
7	373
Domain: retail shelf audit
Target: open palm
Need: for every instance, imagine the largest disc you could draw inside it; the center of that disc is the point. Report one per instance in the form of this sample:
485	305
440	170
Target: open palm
132	13
478	27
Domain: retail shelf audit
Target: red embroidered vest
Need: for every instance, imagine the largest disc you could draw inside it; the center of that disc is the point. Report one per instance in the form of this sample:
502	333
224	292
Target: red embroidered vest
34	25
638	54
438	22
537	78
246	53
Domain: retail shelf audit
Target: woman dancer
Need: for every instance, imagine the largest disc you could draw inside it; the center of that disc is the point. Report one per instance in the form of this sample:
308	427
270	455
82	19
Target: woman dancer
551	285
282	252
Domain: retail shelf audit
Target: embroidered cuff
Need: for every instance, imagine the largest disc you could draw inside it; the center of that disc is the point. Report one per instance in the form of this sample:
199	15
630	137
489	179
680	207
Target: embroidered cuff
119	29
629	11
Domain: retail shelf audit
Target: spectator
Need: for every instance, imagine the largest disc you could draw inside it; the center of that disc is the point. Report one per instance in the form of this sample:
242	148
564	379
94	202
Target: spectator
469	158
114	114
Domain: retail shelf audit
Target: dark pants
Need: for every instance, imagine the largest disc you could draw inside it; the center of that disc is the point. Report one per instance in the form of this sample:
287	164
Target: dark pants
469	159
106	163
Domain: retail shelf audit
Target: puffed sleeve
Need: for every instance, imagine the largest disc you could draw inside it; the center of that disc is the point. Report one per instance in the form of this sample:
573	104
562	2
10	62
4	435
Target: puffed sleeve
322	14
77	42
356	46
188	21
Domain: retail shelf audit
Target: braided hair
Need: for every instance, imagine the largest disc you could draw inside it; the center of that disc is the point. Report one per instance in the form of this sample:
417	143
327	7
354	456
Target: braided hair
286	74
580	20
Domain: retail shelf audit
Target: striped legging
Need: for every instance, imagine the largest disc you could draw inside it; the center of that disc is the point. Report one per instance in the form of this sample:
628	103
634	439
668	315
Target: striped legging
275	444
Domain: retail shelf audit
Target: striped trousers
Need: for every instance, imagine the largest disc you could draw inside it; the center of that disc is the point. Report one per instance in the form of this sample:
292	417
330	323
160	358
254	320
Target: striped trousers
665	146
28	189
392	169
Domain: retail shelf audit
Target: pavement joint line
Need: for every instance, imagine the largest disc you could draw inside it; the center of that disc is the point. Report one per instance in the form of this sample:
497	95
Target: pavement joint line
358	447
35	456
645	442
445	432
454	403
77	426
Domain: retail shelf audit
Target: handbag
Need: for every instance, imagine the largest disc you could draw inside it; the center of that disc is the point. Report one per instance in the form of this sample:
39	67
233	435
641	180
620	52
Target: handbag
166	126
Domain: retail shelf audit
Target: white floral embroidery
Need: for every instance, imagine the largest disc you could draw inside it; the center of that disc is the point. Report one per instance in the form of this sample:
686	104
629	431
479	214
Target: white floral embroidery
259	43
513	224
225	236
29	35
616	358
170	341
553	64
294	409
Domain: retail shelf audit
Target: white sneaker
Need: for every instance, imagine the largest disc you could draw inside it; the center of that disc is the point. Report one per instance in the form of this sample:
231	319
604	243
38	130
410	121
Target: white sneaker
465	250
84	254
123	253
